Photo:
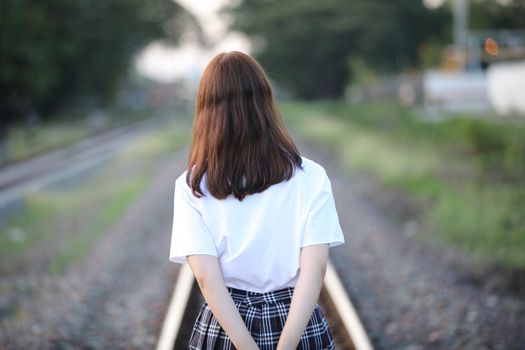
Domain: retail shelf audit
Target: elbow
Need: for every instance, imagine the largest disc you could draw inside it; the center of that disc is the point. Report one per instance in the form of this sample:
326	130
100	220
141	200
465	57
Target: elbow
206	270
202	279
208	280
314	273
323	268
320	266
321	272
314	261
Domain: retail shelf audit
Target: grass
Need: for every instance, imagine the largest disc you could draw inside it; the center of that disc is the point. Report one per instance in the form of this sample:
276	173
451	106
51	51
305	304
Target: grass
80	244
468	167
64	226
23	143
65	128
477	220
394	159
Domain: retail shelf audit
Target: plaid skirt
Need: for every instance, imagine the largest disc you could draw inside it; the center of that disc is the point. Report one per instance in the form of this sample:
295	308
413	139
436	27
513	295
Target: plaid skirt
264	315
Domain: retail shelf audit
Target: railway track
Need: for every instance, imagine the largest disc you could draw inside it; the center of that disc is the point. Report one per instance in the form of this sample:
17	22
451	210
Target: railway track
18	178
347	329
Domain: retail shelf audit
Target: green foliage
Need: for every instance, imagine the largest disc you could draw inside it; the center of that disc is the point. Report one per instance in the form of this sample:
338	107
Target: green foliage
445	164
58	227
306	44
485	138
24	143
483	221
490	14
500	149
76	246
56	50
68	127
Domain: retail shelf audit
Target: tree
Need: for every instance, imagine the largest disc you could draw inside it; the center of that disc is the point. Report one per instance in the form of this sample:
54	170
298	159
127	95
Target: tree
490	14
306	43
54	51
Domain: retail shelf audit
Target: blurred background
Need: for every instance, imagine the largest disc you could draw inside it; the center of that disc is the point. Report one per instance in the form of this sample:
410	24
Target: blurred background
417	104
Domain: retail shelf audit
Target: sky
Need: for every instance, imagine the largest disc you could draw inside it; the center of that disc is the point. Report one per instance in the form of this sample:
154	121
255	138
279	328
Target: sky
187	61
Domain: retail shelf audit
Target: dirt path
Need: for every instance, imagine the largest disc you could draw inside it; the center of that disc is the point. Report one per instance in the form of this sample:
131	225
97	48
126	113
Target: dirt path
116	299
412	296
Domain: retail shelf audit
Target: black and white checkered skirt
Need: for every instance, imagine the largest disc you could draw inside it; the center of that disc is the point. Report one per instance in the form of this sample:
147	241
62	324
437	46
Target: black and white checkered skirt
264	315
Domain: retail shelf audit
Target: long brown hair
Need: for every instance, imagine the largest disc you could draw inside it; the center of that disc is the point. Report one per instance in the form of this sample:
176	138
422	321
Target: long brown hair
239	138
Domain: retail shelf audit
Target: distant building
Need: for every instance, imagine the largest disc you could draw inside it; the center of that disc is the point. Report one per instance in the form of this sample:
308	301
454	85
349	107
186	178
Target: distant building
493	78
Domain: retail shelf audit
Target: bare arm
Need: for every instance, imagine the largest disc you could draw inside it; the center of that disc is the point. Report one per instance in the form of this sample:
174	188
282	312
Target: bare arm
207	271
313	263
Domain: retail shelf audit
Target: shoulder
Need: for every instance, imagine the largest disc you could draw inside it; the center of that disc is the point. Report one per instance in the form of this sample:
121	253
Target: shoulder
313	175
181	184
181	179
183	188
312	168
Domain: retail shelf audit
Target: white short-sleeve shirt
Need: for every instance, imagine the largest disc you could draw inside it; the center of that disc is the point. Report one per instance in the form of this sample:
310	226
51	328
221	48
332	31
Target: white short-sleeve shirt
257	240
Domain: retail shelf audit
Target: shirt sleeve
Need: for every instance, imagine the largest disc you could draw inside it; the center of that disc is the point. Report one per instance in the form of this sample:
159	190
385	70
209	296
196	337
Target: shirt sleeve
190	235
322	221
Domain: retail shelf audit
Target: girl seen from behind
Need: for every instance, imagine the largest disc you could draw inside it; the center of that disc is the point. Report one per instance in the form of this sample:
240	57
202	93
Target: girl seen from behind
252	217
